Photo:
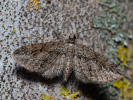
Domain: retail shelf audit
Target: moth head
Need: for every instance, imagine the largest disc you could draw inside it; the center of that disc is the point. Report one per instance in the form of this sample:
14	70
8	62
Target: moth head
71	39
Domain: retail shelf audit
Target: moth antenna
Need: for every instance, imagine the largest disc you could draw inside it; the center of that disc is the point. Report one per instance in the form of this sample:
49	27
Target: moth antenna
57	33
73	35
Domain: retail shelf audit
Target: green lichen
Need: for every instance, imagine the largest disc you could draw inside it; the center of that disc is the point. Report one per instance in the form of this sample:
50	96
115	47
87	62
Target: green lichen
110	23
112	18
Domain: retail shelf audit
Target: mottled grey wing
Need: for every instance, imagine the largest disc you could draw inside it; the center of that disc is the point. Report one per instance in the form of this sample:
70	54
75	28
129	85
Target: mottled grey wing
44	58
93	67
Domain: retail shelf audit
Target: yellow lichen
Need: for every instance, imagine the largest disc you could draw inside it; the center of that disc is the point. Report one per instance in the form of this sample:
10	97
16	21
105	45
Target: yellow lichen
68	96
35	4
125	54
14	31
31	1
45	97
15	39
64	91
125	89
74	95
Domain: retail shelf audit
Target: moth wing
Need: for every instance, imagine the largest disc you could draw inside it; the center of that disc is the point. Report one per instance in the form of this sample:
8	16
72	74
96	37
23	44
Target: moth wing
44	58
90	66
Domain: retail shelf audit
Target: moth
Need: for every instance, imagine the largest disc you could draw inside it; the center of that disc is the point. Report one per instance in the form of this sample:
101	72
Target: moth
53	59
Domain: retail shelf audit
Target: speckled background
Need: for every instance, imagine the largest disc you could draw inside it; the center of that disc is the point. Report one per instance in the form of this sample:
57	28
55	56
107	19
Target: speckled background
65	17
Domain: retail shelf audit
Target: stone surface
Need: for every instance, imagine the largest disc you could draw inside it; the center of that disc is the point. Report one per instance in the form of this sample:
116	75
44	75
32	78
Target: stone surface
65	17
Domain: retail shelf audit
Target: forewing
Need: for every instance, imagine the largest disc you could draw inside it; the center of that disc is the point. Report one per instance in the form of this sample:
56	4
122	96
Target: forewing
45	58
90	66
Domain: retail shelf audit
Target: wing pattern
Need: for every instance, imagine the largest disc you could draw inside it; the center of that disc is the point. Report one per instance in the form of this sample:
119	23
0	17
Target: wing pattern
44	58
93	67
53	59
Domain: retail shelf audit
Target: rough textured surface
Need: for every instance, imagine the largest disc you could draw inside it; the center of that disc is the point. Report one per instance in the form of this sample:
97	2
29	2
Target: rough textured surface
35	26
